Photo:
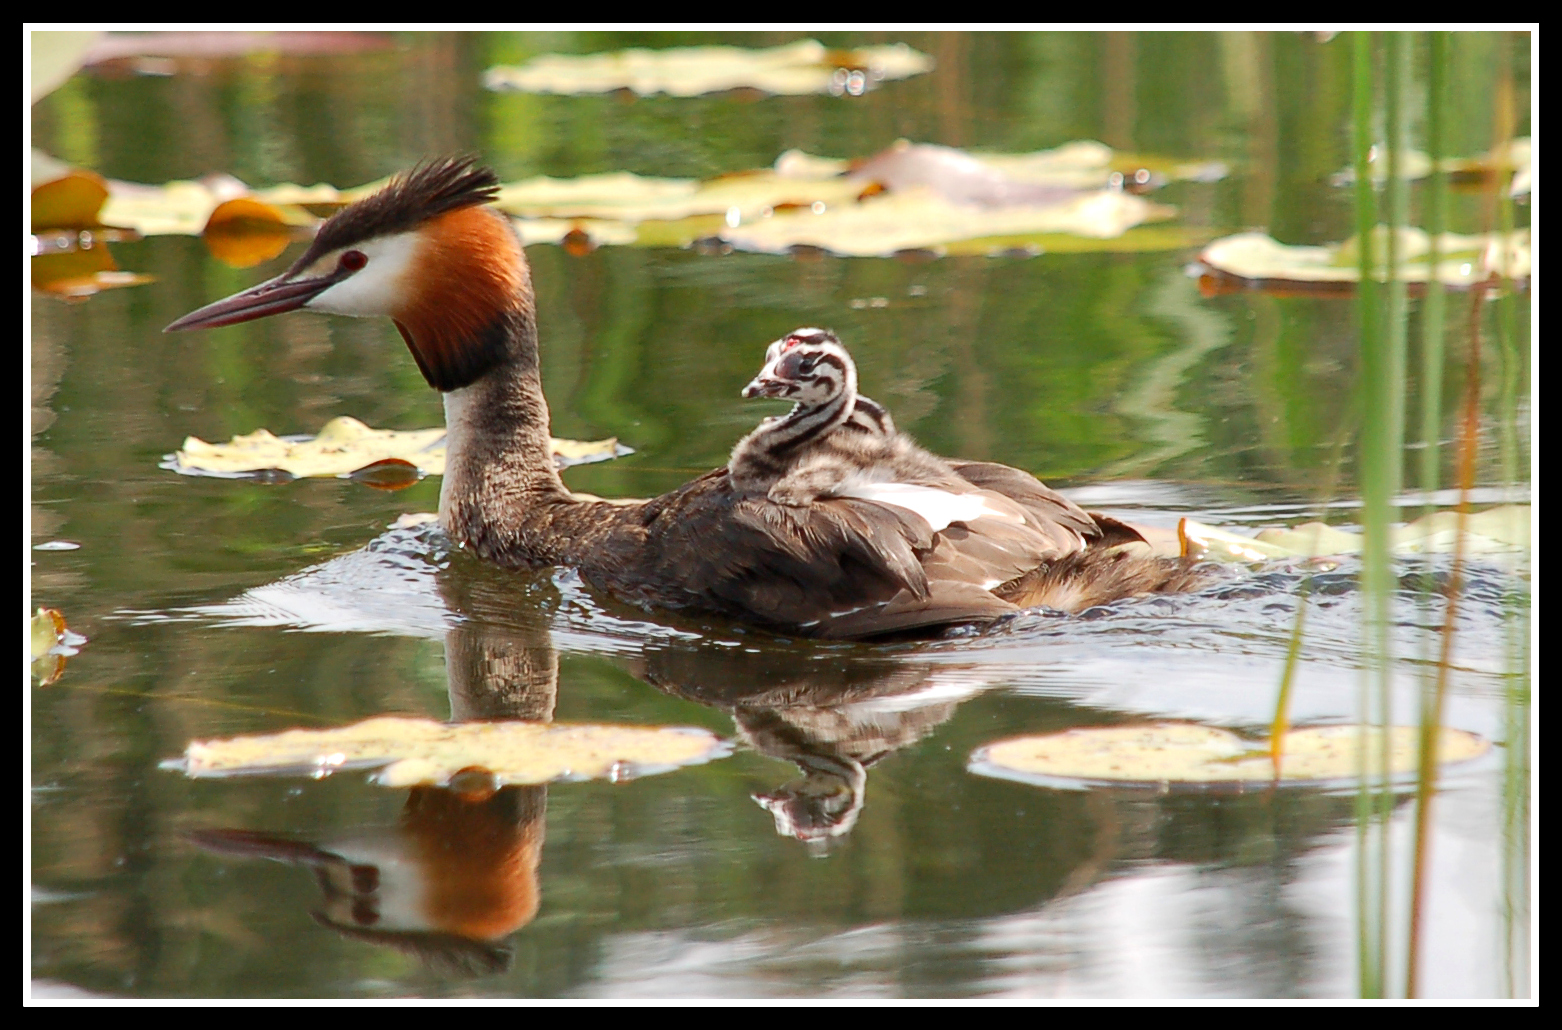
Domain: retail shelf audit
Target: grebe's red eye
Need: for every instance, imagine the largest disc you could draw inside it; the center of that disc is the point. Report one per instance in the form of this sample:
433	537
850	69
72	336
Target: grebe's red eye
352	260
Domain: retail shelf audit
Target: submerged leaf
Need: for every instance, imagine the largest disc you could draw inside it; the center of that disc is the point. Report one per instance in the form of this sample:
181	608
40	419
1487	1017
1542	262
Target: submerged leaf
1169	754
412	752
345	446
801	67
389	474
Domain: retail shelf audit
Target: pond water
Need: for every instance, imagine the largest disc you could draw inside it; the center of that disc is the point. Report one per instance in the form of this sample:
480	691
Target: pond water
843	849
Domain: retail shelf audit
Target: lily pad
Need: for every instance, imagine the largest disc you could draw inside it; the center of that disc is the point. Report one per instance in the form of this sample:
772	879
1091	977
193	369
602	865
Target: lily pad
343	447
186	207
796	68
1258	261
70	200
70	259
421	752
243	232
920	218
51	643
911	197
56	56
1171	755
1496	530
1513	156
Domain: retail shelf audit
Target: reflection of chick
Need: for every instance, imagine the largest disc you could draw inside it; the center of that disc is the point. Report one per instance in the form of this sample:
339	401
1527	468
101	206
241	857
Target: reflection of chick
454	877
832	437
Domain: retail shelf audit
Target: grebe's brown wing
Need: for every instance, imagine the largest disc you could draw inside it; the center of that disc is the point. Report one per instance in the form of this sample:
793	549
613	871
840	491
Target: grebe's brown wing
792	568
1048	511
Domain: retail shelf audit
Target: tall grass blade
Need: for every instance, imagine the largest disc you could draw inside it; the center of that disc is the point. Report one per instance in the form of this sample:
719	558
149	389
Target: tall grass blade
1369	887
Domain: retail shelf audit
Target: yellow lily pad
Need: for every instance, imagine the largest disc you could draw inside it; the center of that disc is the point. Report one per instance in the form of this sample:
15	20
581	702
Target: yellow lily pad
1257	259
1165	755
1496	530
243	232
51	643
344	446
185	208
1210	543
70	201
421	752
796	68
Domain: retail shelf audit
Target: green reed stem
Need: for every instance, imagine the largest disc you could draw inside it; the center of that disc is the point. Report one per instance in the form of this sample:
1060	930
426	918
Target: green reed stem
1433	306
1282	718
1370	944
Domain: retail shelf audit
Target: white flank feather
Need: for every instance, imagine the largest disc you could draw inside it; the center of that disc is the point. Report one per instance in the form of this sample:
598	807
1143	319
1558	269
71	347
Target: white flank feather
938	507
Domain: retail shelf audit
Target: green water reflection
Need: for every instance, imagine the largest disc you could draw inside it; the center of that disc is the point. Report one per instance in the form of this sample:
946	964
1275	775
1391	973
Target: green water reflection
1082	368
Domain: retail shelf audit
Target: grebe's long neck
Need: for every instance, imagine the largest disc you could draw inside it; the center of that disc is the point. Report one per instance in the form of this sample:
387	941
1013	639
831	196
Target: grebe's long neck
499	472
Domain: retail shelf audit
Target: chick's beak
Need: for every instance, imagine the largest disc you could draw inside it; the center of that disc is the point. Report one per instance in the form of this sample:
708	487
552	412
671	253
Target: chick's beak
764	386
271	297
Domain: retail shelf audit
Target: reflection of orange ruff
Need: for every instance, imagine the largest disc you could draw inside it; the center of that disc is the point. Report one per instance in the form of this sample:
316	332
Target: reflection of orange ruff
478	859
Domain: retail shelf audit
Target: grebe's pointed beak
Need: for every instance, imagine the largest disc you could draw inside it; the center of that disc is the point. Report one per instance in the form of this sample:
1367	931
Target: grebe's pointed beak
272	297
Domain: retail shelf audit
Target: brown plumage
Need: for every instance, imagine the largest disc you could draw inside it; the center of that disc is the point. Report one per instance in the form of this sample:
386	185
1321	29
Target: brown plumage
454	277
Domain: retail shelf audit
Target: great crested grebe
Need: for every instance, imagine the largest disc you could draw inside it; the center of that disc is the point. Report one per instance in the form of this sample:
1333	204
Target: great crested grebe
892	557
834	439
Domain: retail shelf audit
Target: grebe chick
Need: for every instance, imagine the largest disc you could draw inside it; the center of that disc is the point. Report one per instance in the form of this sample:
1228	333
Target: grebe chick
832	437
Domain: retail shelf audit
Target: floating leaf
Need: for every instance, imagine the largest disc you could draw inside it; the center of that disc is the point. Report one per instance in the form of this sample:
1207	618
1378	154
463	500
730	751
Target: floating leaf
912	199
243	232
70	201
1256	260
187	207
1209	543
1513	156
48	627
344	446
802	67
412	752
1495	530
1179	754
56	57
921	219
51	643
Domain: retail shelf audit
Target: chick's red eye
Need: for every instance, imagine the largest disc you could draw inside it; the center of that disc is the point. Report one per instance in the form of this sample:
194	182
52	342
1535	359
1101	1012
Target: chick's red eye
353	260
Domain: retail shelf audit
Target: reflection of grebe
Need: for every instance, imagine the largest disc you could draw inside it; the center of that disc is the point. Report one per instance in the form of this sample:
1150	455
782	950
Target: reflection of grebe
453	878
458	872
891	557
832	718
